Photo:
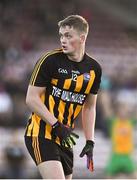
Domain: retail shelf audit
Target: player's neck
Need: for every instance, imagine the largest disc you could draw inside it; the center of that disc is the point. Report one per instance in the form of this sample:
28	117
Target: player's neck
77	56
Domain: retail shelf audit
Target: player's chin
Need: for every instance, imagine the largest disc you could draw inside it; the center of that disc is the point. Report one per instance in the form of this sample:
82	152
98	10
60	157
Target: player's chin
66	51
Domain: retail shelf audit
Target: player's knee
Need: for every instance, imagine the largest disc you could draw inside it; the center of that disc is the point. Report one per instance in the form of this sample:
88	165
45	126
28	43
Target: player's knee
68	177
46	170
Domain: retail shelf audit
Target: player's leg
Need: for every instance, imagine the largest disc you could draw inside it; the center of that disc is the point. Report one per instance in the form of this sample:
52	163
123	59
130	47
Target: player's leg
129	166
46	155
51	170
113	166
67	161
68	176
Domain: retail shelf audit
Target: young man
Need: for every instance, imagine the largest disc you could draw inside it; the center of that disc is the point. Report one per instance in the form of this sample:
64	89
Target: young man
63	82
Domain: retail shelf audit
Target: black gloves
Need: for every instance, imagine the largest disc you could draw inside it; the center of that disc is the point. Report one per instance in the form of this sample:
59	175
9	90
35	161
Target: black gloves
88	150
65	134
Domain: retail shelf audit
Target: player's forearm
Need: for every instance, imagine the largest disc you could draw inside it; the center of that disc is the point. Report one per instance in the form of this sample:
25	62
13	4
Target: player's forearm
37	106
88	122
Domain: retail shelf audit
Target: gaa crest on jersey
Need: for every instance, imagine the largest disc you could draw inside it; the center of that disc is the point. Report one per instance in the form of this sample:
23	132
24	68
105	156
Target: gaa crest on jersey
63	71
86	76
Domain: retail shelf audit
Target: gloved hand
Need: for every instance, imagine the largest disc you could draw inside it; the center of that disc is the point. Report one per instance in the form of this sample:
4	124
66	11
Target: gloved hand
88	150
65	134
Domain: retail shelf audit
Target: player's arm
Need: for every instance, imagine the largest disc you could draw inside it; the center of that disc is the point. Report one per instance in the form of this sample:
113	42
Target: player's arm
36	105
88	122
88	116
89	108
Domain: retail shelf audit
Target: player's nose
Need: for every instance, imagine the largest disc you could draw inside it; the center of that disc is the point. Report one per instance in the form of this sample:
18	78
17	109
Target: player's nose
63	41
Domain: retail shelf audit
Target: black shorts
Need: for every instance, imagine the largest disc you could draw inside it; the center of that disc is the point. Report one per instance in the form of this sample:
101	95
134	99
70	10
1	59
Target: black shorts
42	149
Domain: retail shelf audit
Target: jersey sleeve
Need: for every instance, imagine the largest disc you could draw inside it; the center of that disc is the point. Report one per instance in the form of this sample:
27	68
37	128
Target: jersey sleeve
41	75
97	81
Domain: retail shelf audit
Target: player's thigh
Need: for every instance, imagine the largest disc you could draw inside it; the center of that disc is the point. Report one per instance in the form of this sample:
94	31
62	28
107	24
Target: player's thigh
113	165
68	176
67	161
51	170
129	165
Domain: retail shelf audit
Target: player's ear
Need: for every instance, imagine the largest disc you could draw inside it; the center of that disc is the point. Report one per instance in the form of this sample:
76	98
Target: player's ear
82	38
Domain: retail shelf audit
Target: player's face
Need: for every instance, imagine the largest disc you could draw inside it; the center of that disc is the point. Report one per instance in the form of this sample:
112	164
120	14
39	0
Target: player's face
70	39
123	110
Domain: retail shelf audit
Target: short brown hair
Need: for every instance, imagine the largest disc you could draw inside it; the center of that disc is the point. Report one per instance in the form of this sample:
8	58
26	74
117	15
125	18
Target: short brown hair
76	21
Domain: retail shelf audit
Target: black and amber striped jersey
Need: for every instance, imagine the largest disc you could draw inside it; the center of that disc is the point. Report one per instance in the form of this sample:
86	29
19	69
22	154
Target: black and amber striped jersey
67	85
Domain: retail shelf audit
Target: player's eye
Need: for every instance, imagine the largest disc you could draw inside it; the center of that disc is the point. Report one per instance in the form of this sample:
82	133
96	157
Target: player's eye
68	36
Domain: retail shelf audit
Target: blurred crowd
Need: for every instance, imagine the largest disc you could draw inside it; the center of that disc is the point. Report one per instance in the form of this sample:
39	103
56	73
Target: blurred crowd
24	27
27	29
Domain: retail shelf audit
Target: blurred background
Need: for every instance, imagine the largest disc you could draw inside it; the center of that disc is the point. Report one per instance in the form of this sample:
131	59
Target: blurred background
28	28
